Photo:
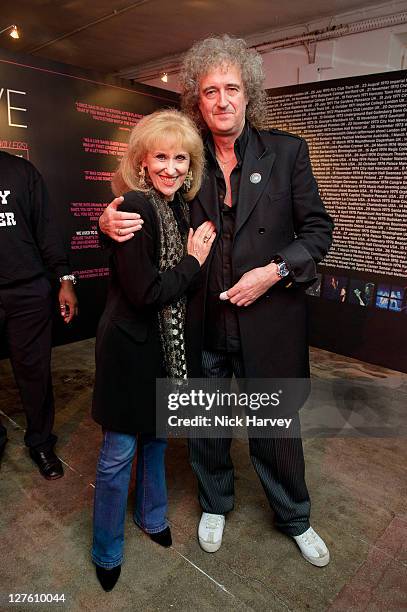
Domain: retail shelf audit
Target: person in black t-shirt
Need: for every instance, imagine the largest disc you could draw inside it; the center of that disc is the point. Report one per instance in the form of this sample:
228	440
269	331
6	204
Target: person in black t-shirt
30	247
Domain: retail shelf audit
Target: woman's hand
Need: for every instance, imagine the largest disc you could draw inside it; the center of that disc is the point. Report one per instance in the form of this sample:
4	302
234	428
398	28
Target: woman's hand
200	241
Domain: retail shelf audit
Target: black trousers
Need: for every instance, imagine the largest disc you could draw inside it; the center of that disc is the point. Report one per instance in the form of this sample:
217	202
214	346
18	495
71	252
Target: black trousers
25	324
279	463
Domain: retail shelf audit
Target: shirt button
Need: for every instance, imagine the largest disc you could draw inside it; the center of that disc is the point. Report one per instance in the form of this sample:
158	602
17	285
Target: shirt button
262	230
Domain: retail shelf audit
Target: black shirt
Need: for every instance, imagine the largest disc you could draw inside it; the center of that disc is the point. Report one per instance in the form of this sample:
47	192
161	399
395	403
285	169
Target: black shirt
221	322
29	241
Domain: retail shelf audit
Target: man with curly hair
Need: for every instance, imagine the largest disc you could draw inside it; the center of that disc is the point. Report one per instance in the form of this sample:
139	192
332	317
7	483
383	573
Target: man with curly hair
248	317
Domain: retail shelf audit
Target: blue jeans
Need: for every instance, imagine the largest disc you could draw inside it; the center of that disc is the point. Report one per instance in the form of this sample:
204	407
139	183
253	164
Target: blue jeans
112	484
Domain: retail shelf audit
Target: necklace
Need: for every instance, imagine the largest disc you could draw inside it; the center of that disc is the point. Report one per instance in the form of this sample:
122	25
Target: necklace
223	164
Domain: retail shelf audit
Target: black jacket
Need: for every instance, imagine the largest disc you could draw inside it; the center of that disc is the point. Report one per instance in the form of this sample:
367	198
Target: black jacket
128	347
282	214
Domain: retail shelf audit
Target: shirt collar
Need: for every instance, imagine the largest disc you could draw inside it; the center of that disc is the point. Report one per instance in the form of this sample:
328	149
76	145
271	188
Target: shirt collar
240	145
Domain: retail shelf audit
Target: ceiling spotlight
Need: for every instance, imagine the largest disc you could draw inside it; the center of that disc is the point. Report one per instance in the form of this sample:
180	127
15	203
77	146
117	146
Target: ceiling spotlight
164	77
13	31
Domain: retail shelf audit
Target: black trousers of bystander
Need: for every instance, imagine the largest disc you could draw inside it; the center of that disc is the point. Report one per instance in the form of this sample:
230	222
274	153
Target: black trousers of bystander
25	325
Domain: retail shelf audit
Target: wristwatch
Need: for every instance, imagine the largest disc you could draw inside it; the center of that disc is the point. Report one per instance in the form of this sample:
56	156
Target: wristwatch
282	269
68	277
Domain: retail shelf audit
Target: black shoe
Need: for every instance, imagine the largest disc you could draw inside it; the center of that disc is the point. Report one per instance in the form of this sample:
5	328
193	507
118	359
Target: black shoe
163	538
48	463
108	577
2	447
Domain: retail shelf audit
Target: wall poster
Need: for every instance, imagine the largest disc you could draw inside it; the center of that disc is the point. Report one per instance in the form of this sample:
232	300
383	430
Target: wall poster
73	125
356	129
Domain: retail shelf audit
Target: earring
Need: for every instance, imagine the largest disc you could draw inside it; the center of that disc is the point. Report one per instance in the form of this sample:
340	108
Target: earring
142	178
189	179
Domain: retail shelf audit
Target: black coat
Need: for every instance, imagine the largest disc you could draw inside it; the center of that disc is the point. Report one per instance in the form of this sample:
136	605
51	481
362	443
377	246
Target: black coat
281	215
128	347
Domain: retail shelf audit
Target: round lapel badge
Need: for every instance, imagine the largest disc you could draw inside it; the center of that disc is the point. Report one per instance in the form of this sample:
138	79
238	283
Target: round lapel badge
255	177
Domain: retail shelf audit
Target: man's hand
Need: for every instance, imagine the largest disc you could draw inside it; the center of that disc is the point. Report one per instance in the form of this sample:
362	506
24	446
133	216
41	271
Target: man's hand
68	302
252	285
119	226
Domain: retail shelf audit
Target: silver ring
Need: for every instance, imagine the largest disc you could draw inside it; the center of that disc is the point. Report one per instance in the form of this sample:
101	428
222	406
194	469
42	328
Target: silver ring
206	238
119	232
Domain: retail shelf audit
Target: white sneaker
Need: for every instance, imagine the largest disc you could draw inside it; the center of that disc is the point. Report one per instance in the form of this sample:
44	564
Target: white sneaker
210	531
313	548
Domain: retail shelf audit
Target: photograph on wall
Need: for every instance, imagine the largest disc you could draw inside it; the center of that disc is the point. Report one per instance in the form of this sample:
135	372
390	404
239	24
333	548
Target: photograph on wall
315	289
335	288
361	292
390	298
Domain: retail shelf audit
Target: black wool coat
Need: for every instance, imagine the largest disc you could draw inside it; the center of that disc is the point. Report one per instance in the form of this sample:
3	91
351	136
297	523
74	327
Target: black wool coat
128	348
283	215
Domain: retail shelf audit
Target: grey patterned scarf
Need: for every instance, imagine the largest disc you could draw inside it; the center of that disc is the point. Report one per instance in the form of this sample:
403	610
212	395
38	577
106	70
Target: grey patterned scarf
173	247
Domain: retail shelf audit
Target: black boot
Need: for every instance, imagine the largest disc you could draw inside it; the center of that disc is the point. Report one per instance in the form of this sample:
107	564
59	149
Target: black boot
163	538
108	577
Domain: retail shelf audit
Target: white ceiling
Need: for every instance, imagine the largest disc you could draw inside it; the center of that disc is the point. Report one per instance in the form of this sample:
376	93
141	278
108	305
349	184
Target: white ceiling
113	35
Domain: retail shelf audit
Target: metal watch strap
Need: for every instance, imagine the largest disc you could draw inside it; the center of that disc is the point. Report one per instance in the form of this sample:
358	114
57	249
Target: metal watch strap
68	277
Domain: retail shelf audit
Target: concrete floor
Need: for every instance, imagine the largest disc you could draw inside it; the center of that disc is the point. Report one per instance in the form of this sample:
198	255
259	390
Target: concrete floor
359	506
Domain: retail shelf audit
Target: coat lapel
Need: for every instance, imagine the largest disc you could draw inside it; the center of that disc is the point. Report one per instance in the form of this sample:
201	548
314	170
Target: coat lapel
208	198
258	160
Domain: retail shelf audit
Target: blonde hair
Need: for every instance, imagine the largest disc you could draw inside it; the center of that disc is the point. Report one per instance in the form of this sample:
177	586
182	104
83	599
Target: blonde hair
152	131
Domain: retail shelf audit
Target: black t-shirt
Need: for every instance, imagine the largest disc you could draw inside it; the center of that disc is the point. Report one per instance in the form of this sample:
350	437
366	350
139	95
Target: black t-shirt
29	241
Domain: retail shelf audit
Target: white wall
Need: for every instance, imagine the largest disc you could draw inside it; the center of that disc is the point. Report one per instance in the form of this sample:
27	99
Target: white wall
363	53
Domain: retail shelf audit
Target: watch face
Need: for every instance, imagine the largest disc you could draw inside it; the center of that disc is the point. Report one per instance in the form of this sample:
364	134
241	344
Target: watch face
282	269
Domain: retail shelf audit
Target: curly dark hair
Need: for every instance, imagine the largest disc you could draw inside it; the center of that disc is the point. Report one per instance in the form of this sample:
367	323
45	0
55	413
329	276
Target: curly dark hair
208	54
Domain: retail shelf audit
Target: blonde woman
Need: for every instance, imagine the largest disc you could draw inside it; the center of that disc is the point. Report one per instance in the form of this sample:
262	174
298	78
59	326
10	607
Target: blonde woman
141	332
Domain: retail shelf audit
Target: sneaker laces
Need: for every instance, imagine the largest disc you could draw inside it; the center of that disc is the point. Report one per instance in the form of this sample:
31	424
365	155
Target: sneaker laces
313	547
309	538
213	522
306	540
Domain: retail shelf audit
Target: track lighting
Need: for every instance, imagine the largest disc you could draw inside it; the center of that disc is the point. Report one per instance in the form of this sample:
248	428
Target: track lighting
14	33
